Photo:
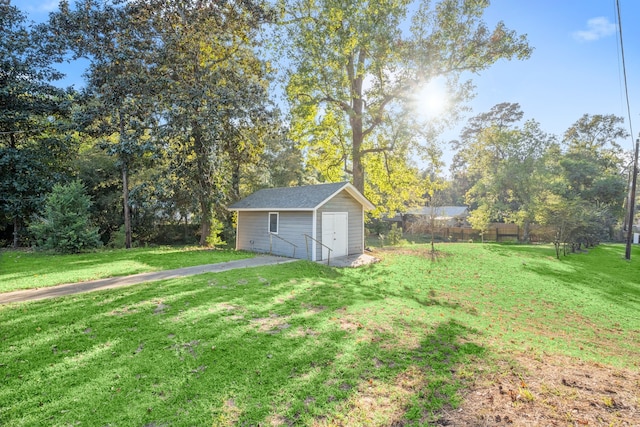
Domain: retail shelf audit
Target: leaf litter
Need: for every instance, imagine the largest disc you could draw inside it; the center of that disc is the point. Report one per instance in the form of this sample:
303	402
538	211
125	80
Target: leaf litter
549	390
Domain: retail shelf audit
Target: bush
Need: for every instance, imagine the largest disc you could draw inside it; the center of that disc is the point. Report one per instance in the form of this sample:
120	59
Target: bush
394	236
117	239
65	224
214	238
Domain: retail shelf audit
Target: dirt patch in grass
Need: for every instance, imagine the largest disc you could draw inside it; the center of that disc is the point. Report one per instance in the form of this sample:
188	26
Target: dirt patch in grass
300	332
378	403
186	348
314	309
271	325
550	391
421	251
229	414
224	306
377	325
161	308
123	311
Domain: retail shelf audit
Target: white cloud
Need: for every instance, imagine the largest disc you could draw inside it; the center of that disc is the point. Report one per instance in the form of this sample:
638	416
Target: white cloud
597	28
49	6
40	6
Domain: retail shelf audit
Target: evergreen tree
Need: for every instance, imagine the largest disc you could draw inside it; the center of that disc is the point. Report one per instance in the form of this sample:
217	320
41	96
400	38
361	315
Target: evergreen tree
34	150
65	225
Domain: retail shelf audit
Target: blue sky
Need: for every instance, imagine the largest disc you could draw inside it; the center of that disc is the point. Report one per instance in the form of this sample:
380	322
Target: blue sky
575	68
576	65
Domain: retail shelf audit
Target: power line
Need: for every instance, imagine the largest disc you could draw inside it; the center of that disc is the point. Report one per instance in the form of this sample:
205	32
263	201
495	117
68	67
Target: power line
624	68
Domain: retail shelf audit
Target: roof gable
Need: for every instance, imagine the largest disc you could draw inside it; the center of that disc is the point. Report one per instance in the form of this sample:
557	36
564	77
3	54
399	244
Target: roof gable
304	198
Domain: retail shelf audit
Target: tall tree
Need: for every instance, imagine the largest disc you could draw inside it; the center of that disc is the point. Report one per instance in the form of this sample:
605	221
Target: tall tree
34	151
505	163
101	176
354	72
594	170
114	37
214	92
585	182
280	164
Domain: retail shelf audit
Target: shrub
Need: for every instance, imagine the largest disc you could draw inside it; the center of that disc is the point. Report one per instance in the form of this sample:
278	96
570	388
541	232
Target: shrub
117	239
65	224
394	236
214	239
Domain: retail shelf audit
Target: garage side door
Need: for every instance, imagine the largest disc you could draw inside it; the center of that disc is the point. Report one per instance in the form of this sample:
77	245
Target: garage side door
335	233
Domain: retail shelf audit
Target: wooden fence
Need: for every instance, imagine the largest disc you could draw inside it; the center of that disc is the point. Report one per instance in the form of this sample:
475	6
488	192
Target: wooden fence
495	233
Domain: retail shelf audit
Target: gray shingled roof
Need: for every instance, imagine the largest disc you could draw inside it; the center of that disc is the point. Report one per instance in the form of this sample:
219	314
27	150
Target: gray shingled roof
307	197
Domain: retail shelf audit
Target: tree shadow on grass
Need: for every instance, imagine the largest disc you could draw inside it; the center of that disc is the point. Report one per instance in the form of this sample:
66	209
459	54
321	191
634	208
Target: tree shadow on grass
601	272
30	270
243	347
510	249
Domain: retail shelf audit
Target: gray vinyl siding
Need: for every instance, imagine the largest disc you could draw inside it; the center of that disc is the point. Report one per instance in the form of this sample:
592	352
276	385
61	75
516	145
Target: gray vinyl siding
253	232
343	202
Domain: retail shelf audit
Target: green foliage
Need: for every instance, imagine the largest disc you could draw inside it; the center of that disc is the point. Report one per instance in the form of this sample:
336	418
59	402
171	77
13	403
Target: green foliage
34	152
505	163
480	219
280	165
394	236
101	176
521	175
214	102
587	182
117	239
215	237
65	225
348	56
193	67
113	107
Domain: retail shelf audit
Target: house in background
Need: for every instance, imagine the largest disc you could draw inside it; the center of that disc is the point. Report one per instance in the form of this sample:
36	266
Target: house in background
439	216
443	216
303	222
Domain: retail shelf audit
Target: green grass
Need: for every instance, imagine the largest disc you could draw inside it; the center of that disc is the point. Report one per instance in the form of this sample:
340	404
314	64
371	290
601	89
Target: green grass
25	270
520	297
303	344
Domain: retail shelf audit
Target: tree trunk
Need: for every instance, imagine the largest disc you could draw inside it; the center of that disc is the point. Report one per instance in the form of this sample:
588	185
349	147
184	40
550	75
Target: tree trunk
235	181
433	238
205	224
16	231
355	120
205	191
358	168
185	229
125	190
526	231
125	203
16	221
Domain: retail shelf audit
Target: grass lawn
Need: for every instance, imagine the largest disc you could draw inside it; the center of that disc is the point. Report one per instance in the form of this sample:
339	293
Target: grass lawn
401	342
25	270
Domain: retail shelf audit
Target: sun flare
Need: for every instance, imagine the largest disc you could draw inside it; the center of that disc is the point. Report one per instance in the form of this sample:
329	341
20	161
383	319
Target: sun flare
432	99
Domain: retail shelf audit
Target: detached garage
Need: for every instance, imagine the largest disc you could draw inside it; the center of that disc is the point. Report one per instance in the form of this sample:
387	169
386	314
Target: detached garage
309	222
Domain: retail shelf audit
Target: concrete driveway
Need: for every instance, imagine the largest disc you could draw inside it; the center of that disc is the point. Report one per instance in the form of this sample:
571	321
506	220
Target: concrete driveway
114	282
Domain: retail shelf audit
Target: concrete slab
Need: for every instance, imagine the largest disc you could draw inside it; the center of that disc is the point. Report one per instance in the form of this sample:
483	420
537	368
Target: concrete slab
114	282
351	261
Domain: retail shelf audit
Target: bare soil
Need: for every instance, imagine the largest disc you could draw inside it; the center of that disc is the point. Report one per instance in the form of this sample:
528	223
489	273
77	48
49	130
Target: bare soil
549	390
